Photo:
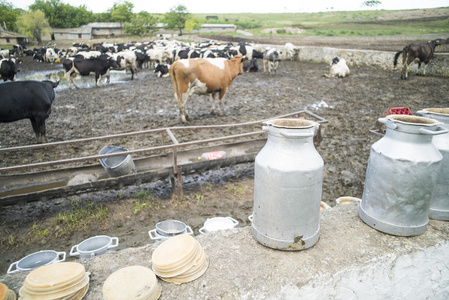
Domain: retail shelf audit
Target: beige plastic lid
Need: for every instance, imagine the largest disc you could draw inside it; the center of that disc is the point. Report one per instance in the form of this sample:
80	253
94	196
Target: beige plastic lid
133	283
57	294
11	295
437	111
175	255
192	276
53	277
179	268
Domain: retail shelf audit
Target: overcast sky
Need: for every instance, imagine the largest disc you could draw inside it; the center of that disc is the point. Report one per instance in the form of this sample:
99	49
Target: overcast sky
253	6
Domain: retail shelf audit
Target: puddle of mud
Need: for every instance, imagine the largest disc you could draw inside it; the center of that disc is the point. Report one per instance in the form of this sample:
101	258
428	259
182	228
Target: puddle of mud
81	82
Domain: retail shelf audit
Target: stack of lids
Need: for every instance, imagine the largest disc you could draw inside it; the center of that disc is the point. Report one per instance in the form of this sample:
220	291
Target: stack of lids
180	259
66	280
132	283
5	293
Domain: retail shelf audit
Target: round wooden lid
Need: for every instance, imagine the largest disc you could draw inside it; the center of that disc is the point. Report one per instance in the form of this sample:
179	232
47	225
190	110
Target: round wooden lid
133	283
55	276
174	251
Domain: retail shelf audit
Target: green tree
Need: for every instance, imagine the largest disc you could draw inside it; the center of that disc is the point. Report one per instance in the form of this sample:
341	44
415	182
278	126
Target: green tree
102	17
141	23
191	24
176	18
371	3
122	12
8	15
33	24
63	15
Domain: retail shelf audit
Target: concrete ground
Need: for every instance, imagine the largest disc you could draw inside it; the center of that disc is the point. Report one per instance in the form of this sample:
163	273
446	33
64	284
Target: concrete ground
350	261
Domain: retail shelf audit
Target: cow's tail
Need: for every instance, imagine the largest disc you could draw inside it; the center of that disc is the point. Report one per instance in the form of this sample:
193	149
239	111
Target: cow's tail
396	57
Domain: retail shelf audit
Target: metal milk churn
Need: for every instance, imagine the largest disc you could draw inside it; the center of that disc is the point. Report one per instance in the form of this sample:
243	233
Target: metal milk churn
439	205
401	175
288	182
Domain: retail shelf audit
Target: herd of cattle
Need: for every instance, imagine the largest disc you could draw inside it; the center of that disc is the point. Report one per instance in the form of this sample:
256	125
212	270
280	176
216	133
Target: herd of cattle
204	68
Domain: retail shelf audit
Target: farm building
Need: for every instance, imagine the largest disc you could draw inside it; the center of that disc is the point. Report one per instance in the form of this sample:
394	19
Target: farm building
7	37
89	31
104	30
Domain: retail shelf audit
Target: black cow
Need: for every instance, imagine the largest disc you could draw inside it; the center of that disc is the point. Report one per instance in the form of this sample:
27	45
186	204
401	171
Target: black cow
161	70
9	67
422	52
84	67
28	100
251	65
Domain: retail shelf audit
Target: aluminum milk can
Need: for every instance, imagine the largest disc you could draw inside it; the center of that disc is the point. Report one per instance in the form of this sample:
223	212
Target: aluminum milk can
401	175
439	205
288	182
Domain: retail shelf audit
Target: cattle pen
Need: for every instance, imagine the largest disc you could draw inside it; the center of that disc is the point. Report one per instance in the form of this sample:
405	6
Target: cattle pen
19	185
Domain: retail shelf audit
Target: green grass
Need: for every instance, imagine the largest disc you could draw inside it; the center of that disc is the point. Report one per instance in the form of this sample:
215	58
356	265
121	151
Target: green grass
341	23
79	217
142	201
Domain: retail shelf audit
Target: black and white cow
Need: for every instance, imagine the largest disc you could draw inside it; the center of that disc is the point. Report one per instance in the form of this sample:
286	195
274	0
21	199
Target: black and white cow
421	53
271	60
18	50
9	67
246	51
28	100
85	67
162	70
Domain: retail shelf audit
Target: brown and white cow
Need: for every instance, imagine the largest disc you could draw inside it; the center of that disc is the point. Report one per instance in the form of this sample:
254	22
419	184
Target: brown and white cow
203	76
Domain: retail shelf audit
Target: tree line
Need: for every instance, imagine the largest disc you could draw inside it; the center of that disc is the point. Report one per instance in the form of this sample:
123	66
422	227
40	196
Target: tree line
46	14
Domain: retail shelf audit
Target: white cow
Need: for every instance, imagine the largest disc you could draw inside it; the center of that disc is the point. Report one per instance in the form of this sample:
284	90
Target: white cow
338	68
50	55
290	51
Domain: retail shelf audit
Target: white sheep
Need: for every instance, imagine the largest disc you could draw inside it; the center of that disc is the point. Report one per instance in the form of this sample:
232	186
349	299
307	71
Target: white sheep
338	68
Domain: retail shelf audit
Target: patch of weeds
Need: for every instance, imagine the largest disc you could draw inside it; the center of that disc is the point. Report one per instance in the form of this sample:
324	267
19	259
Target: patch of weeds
234	190
38	232
199	199
143	200
12	241
80	216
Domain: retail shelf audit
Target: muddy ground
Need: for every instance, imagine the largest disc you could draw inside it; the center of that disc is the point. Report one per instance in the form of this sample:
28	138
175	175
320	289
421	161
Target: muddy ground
352	105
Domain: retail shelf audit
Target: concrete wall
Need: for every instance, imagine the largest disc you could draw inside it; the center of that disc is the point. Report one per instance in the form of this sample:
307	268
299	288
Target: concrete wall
439	65
350	261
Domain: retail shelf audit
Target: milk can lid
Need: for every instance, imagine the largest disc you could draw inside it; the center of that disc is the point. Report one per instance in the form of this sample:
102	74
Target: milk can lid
291	123
413	120
437	111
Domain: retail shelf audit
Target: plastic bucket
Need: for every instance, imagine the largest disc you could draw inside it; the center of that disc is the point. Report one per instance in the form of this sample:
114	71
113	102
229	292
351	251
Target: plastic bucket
94	246
37	259
117	166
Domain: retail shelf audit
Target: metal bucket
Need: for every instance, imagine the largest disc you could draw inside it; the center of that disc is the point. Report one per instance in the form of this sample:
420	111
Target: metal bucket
439	205
117	166
288	183
401	175
169	228
94	246
37	259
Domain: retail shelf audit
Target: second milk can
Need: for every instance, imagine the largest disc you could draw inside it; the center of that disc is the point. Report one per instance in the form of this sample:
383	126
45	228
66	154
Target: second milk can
288	179
401	175
439	205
